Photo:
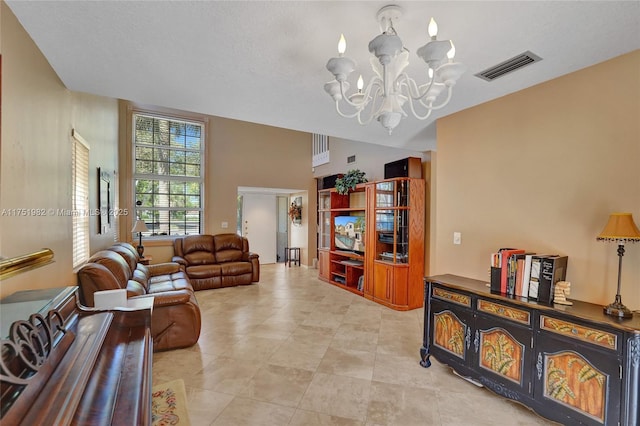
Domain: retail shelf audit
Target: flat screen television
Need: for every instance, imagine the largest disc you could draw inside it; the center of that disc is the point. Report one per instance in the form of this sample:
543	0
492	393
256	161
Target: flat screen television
349	233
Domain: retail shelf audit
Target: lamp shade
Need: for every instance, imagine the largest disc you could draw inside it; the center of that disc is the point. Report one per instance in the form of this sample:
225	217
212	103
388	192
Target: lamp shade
140	226
621	228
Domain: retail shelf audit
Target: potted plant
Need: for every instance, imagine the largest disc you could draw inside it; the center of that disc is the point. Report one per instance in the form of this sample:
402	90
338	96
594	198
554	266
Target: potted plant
349	180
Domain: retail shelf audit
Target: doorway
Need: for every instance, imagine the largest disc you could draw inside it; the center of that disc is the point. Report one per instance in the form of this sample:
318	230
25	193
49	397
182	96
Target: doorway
259	225
263	217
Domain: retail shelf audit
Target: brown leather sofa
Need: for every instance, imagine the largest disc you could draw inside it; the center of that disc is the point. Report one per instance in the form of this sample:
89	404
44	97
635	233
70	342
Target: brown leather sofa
175	322
214	261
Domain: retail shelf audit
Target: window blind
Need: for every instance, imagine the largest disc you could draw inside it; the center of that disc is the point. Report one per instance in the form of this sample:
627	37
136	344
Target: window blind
80	199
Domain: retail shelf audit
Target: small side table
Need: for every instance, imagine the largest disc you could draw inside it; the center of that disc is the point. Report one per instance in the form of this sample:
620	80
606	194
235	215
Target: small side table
292	254
146	260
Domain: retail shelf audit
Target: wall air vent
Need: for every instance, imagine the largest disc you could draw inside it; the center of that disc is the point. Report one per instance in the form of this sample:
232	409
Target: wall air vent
508	66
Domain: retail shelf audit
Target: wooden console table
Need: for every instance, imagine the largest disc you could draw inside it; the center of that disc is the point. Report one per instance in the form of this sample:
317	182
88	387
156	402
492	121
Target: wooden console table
571	364
79	365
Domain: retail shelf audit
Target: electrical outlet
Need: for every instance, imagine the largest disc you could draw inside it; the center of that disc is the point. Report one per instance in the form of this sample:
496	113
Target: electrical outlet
457	238
224	225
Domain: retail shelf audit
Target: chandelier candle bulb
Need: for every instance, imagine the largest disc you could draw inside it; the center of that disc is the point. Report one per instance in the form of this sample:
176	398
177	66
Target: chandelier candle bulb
452	52
433	29
342	45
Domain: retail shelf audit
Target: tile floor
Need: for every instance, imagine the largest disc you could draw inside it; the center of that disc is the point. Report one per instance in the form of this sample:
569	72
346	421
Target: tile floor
294	350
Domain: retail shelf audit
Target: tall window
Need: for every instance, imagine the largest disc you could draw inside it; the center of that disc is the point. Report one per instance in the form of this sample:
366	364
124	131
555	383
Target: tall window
80	199
168	174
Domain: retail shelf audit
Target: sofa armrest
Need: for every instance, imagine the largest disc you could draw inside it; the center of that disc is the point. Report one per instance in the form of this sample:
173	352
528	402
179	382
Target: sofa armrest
253	258
168	298
94	277
181	261
164	268
247	256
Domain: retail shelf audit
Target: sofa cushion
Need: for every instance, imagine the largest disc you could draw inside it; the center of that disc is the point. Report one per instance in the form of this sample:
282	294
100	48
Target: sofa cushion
198	249
141	275
93	277
170	282
115	263
134	288
127	255
228	247
236	268
204	271
200	258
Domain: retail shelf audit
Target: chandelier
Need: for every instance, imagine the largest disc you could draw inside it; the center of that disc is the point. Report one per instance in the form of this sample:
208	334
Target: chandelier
385	96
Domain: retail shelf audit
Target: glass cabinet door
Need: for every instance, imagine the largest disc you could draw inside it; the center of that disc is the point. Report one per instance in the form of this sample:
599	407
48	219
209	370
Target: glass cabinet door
325	230
324	200
392	221
324	220
384	194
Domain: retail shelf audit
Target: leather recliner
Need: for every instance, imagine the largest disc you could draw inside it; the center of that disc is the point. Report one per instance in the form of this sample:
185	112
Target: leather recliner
176	320
215	261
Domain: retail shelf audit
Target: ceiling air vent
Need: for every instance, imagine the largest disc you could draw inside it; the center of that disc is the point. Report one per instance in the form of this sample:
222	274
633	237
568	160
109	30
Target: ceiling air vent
508	66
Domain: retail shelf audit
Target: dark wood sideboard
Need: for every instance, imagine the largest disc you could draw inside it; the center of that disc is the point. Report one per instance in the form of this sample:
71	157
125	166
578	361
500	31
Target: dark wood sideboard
571	364
66	364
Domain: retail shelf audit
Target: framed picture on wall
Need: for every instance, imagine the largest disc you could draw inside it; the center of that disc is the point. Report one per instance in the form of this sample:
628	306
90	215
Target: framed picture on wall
104	201
295	211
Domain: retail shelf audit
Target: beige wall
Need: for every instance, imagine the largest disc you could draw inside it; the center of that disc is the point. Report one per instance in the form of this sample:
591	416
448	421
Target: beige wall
38	113
542	169
237	154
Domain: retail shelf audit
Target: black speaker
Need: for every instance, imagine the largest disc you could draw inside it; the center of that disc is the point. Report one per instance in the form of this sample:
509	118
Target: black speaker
407	167
328	181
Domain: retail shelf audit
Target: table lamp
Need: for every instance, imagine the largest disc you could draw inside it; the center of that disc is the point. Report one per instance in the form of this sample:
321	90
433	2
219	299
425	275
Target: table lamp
140	227
620	229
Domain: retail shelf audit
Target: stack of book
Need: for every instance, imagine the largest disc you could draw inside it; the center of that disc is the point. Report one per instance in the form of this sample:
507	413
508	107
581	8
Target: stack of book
519	273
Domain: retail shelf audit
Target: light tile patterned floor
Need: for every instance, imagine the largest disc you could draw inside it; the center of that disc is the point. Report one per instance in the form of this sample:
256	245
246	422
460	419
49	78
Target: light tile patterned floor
293	350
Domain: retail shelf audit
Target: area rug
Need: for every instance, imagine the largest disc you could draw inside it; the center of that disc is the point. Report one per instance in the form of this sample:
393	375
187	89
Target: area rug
169	404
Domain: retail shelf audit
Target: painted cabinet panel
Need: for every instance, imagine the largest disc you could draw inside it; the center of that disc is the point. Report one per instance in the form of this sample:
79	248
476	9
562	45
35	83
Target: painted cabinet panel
503	349
578	378
451	333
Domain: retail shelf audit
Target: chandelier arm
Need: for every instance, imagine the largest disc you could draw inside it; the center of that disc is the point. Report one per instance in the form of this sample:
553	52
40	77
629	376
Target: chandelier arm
366	96
414	88
359	110
443	104
342	114
418	116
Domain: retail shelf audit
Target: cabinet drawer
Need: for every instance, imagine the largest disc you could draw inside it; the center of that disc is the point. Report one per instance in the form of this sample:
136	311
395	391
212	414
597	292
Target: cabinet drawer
504	311
580	332
451	296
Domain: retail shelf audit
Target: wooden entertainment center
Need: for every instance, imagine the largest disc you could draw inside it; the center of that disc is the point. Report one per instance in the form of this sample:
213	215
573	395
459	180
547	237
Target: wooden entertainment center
371	241
571	364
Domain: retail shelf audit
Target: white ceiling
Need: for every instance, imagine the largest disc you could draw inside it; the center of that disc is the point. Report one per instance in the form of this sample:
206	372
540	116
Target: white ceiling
264	61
